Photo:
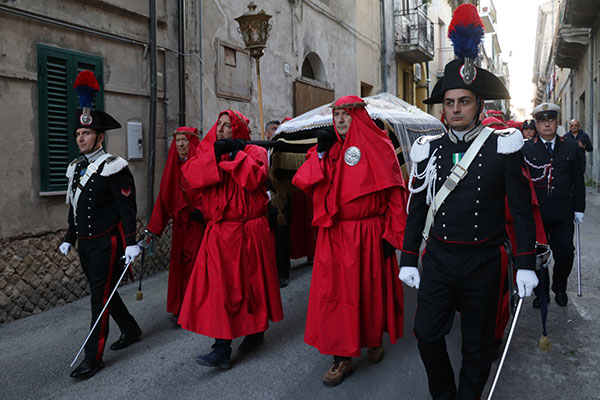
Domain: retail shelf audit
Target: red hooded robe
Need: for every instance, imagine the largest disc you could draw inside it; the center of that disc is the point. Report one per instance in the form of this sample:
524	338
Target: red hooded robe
234	288
175	201
355	293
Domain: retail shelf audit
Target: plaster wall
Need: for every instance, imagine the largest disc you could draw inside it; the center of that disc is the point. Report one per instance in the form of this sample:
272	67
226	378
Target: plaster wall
345	35
23	209
329	29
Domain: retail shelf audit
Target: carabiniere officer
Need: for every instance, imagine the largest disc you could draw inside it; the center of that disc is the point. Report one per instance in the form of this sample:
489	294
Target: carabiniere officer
102	218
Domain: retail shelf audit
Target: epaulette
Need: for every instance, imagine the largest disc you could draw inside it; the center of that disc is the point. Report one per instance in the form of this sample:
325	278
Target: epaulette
112	165
510	140
73	165
420	148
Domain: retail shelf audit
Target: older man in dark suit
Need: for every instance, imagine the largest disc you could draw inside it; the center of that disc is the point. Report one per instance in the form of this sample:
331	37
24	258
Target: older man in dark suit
556	169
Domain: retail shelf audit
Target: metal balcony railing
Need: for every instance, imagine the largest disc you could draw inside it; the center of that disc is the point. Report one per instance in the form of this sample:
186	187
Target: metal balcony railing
413	35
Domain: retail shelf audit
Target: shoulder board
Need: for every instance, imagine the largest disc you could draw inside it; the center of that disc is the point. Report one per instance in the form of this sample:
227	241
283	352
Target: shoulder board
510	140
72	165
113	165
420	148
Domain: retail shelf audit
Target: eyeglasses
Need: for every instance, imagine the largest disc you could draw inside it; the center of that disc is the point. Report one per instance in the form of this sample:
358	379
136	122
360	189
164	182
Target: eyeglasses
542	121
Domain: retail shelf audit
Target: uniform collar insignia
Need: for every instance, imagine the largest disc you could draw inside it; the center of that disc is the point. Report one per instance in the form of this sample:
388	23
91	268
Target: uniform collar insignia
473	134
453	138
468	136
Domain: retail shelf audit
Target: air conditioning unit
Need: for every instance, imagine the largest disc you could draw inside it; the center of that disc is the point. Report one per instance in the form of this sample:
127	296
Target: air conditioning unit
417	75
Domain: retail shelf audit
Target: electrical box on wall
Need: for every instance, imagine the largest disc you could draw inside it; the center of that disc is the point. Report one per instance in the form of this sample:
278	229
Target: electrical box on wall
135	141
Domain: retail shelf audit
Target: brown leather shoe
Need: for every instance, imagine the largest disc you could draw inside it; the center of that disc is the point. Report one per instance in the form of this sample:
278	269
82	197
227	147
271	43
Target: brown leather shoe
375	354
338	371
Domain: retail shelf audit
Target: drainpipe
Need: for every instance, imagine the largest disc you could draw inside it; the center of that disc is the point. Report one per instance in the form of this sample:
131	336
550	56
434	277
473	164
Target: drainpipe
572	94
153	95
181	59
591	78
428	82
165	108
383	48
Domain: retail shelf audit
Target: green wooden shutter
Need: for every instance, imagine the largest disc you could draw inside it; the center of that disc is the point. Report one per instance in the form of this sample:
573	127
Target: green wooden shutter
57	70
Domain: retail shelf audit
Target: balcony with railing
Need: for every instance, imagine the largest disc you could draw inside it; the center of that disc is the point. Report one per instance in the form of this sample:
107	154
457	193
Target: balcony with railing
571	45
581	13
413	36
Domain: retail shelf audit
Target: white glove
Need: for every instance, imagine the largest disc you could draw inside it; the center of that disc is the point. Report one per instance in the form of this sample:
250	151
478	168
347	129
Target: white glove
579	217
410	276
64	248
131	252
526	282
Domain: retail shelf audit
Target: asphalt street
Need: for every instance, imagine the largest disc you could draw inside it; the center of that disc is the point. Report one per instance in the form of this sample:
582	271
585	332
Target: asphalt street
35	352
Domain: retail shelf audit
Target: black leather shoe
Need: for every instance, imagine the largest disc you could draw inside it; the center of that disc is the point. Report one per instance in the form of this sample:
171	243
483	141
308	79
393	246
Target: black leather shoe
86	369
214	360
126	339
283	282
561	299
537	302
251	343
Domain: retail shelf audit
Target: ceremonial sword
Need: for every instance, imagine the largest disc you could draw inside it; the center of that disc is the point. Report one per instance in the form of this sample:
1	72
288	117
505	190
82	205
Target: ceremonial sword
102	312
510	334
578	259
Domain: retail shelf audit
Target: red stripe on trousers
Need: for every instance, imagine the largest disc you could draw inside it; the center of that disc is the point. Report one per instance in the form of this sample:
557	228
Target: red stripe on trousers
104	319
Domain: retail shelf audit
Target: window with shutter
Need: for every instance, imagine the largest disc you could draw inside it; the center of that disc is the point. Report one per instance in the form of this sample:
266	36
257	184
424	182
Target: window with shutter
57	100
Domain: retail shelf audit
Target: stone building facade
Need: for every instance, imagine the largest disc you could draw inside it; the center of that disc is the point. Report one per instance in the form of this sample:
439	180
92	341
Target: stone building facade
317	50
568	46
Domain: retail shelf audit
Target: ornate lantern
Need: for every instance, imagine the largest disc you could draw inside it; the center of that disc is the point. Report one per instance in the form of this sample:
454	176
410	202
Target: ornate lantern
255	27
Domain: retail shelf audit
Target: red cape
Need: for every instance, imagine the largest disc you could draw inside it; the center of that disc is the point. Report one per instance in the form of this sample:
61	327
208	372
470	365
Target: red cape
355	293
234	287
354	181
175	202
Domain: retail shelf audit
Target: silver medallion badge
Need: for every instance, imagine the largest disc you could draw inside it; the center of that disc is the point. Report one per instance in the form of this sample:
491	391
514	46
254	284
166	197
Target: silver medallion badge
352	156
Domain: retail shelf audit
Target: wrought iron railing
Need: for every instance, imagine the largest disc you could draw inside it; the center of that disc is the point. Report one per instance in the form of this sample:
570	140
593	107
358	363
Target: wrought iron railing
413	28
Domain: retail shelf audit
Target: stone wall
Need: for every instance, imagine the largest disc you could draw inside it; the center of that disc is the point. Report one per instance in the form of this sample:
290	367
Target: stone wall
35	276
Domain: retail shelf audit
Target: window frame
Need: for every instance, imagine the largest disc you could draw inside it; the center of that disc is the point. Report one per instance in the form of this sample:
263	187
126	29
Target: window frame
54	138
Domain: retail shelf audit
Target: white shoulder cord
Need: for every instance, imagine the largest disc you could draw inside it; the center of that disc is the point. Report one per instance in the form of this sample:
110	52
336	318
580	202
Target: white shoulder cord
429	176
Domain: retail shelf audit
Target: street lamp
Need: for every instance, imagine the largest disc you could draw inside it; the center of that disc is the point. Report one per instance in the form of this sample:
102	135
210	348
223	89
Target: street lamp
255	27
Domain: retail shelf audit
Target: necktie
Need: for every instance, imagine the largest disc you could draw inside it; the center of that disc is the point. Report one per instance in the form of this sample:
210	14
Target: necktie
549	146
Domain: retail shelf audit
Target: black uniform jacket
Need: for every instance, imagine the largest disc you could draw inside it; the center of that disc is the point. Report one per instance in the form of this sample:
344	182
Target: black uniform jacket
107	201
564	194
473	214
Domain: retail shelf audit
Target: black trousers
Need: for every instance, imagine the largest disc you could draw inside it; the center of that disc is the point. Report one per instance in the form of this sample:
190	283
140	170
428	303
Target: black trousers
102	265
282	240
467	279
560	239
282	251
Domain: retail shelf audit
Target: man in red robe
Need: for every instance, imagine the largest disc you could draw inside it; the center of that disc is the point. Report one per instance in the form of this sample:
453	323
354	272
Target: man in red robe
358	198
177	202
234	287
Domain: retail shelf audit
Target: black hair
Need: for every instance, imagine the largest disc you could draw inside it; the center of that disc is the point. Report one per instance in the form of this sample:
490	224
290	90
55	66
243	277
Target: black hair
274	122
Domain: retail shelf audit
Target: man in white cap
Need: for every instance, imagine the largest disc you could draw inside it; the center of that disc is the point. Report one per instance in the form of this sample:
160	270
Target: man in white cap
556	169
